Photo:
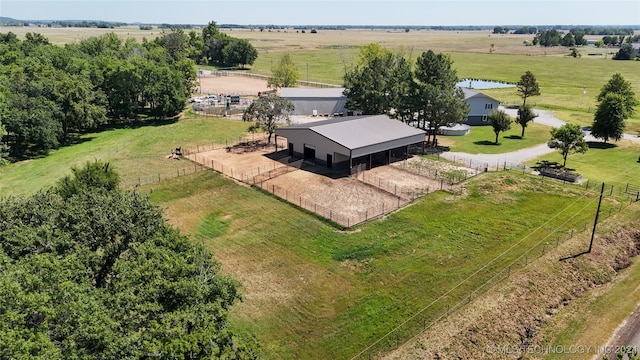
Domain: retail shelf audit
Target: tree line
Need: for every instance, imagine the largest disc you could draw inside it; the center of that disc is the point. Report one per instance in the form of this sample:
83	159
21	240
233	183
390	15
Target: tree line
52	93
93	272
49	93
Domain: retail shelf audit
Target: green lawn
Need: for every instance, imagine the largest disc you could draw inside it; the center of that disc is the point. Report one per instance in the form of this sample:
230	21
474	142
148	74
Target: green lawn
617	165
314	292
481	139
136	151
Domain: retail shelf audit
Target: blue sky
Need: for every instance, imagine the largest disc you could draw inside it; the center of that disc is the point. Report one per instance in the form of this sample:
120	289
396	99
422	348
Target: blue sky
330	12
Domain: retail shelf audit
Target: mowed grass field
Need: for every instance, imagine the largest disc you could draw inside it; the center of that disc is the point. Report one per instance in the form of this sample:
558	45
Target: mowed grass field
313	291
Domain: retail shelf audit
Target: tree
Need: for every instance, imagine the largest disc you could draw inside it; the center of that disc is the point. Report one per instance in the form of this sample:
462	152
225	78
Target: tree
99	274
499	121
618	85
548	38
94	175
4	149
370	85
283	74
568	40
568	138
608	121
527	86
239	52
525	115
438	101
268	111
626	52
214	42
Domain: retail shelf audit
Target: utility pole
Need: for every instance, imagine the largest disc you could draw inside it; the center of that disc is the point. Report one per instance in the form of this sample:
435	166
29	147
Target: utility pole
595	223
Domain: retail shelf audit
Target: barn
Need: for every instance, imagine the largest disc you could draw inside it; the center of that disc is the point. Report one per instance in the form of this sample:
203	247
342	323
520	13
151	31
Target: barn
353	143
481	106
318	102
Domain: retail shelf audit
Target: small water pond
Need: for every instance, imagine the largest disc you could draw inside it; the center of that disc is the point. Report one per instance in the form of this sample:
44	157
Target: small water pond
483	84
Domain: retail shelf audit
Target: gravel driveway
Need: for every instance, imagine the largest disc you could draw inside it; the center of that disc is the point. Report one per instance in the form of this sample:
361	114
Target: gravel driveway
545	117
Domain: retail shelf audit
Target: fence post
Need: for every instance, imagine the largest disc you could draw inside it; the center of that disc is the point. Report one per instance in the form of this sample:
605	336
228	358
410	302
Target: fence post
158	177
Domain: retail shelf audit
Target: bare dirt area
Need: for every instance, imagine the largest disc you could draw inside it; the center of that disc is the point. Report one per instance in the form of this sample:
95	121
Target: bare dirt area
347	200
236	85
344	195
409	182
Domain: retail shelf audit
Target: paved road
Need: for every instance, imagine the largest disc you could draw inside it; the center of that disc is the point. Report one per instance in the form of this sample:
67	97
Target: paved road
545	117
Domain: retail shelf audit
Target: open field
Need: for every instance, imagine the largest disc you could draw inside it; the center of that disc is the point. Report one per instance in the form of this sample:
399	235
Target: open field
312	291
323	57
481	139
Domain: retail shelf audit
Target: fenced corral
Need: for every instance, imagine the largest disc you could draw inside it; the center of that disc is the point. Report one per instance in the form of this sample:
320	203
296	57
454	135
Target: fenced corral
331	194
433	167
220	73
345	204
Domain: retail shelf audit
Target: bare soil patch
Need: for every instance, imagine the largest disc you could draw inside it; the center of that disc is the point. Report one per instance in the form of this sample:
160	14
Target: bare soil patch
236	85
346	200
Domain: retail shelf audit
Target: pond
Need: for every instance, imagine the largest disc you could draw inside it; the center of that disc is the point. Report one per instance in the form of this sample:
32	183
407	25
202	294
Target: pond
483	84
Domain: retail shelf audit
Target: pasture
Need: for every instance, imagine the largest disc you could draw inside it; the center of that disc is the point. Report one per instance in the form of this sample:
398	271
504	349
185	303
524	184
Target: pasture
312	291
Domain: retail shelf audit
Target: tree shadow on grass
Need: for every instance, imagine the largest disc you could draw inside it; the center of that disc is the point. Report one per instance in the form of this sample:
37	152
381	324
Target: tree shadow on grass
518	137
485	142
600	145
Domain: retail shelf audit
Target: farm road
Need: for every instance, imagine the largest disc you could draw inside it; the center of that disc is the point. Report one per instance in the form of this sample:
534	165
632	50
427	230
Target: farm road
545	117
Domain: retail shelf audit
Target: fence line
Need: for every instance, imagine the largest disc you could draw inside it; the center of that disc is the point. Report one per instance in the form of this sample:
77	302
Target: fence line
264	77
458	297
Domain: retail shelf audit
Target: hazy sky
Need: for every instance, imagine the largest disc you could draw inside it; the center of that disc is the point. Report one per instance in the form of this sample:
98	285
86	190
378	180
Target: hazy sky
329	12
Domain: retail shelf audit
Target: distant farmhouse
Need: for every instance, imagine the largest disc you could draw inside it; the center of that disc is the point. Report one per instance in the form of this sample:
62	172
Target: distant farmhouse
481	106
355	143
316	102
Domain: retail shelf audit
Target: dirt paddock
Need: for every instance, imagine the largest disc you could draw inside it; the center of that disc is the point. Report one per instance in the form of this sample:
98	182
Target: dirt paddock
345	199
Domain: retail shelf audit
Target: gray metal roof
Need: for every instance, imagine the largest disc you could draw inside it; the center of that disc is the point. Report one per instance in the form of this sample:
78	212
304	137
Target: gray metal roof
311	92
468	93
356	132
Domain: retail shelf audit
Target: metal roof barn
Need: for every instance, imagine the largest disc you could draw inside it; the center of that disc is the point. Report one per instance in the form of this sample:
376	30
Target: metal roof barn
313	101
349	142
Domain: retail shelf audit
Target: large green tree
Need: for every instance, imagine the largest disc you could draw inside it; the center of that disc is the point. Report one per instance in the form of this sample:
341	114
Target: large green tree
618	85
284	73
525	115
370	85
438	101
568	138
268	112
608	121
499	121
97	273
239	52
528	86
